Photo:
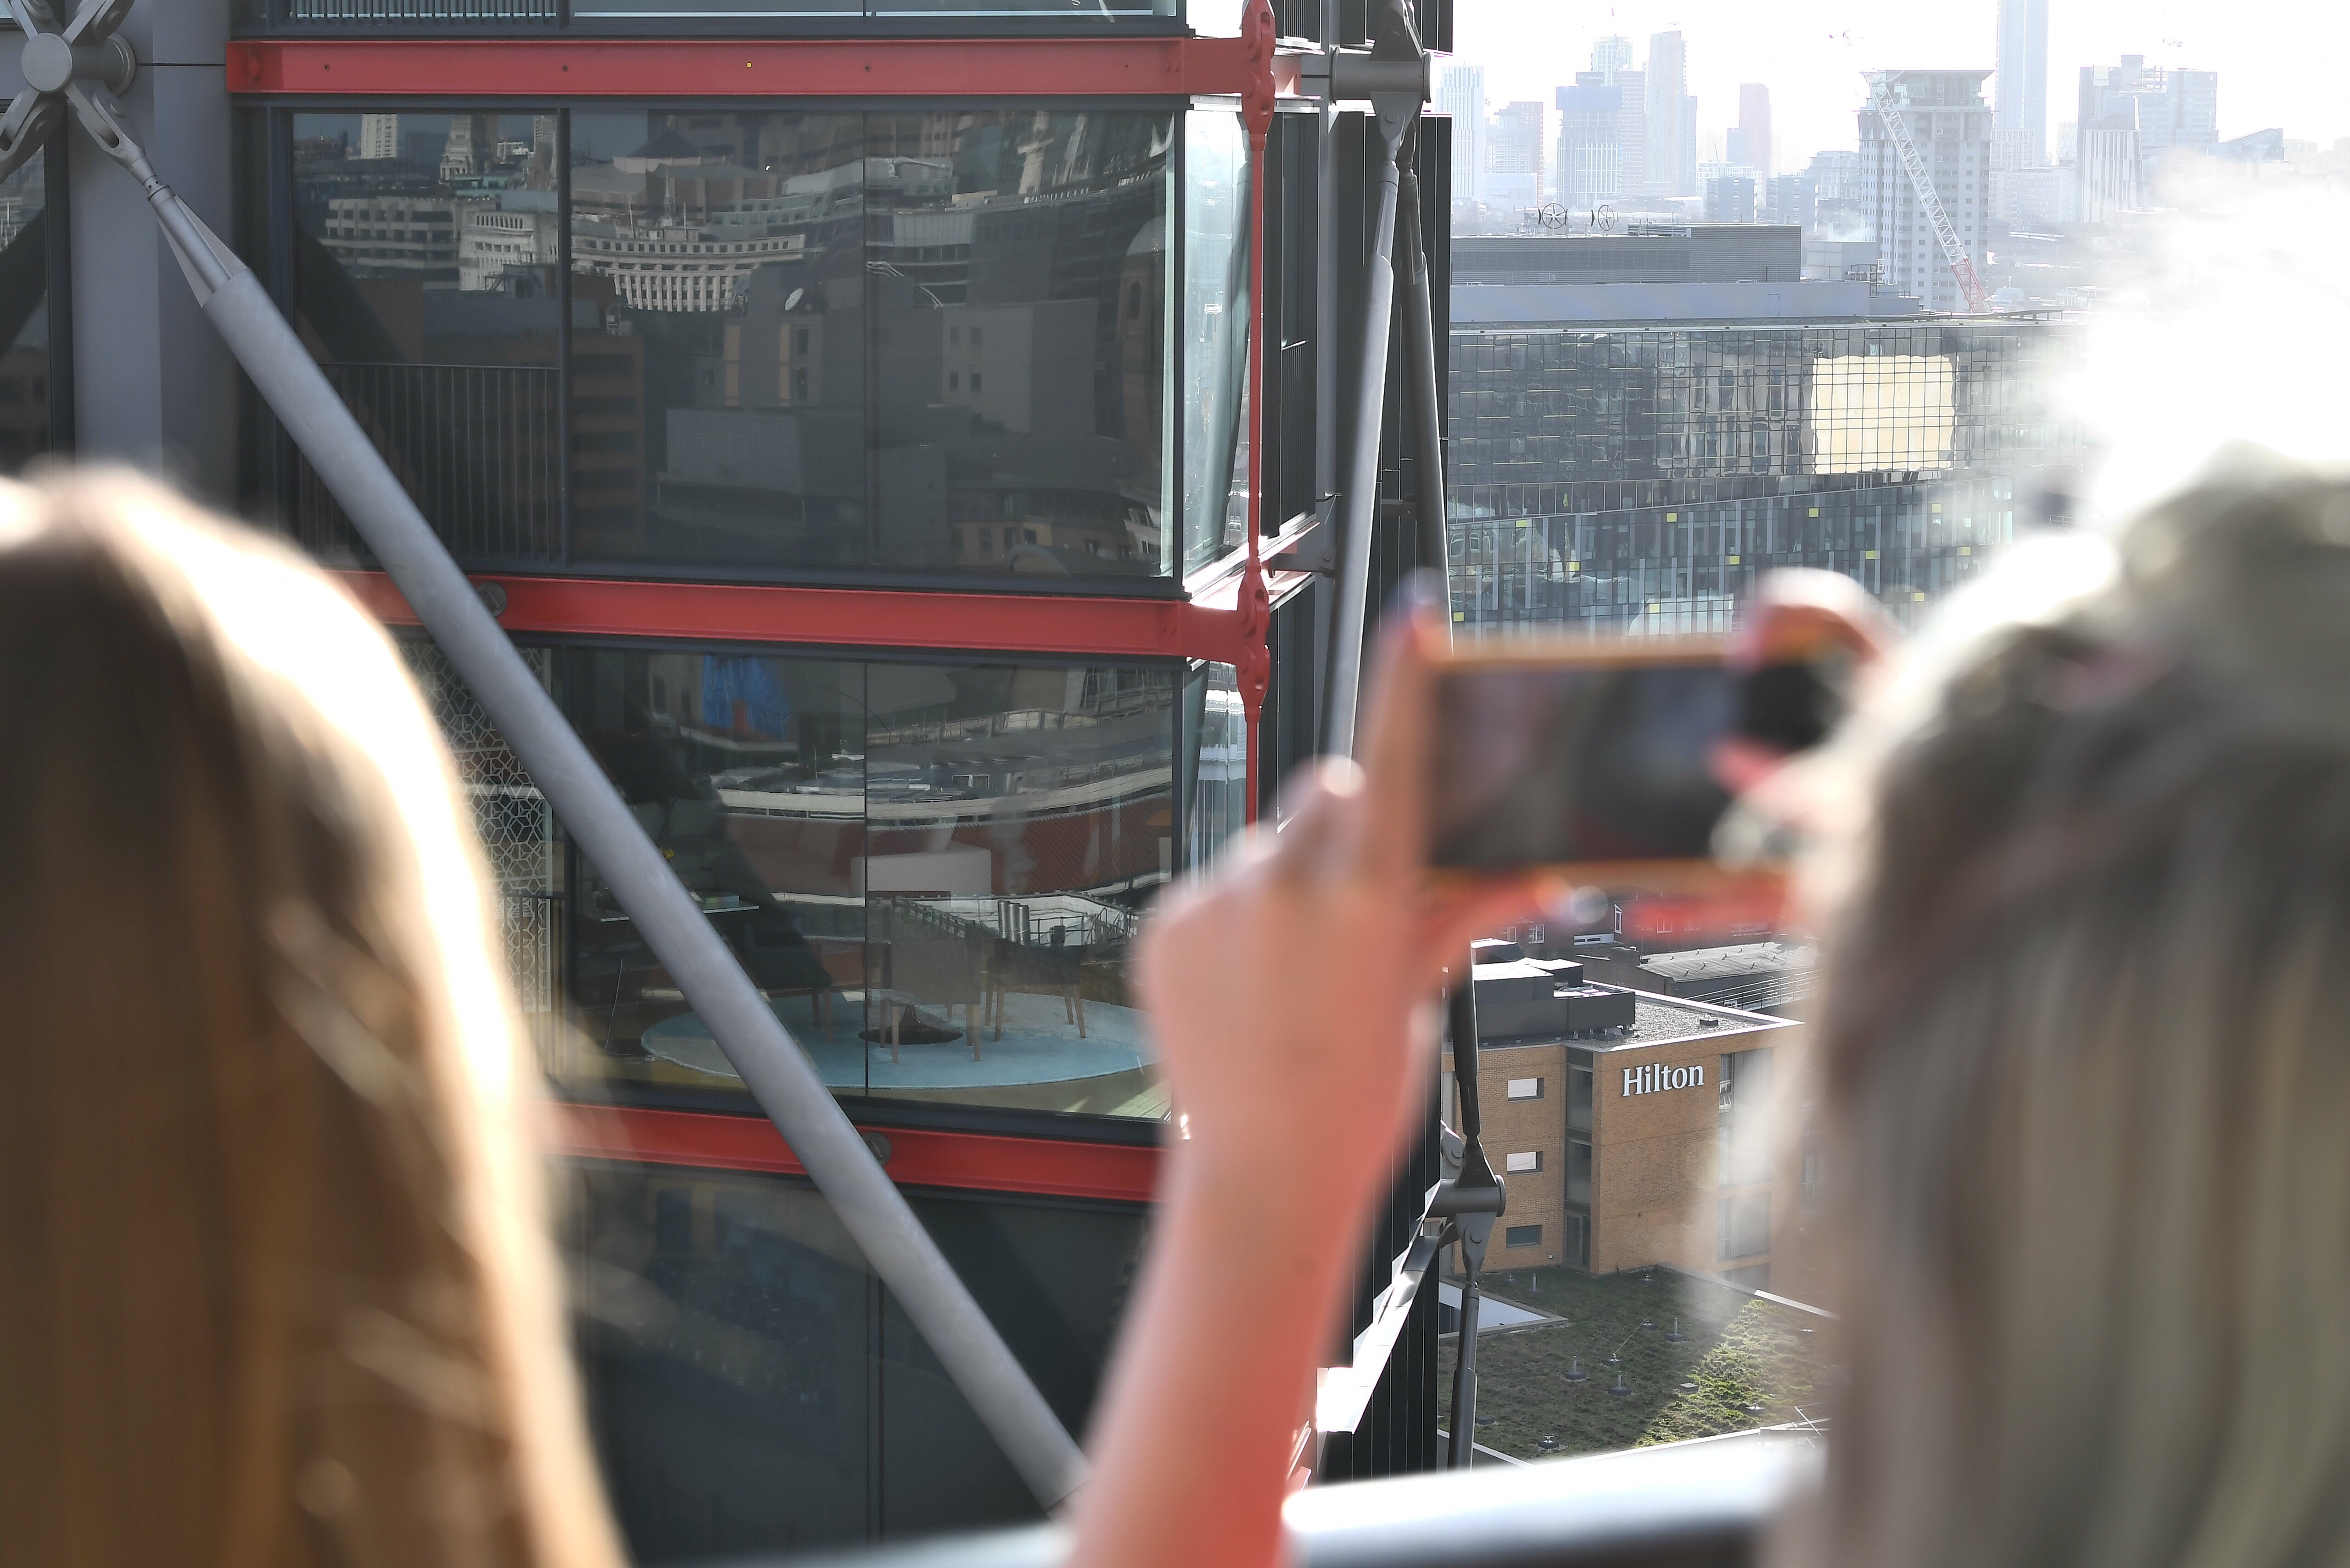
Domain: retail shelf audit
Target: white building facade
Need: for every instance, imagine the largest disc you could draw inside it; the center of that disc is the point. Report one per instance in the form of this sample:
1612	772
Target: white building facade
1952	127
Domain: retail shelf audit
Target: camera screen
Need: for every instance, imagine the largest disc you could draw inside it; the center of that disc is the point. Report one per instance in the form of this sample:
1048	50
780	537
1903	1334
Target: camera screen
1539	765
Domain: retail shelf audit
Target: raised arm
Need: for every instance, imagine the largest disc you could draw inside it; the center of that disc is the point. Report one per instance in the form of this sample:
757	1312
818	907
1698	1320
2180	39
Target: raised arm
1292	994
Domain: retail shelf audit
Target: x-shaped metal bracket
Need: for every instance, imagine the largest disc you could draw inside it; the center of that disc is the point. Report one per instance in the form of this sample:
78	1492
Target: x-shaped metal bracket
62	66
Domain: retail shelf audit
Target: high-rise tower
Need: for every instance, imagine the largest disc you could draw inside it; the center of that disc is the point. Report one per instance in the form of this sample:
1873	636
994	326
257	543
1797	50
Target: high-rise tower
2021	93
1672	149
1950	125
1461	94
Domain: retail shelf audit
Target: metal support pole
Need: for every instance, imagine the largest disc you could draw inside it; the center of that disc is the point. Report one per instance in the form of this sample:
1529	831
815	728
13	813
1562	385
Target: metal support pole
777	1073
1476	1200
1393	75
1358	503
1419	366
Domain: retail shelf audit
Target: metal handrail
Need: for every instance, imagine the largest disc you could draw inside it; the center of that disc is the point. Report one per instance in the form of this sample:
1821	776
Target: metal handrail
1706	1503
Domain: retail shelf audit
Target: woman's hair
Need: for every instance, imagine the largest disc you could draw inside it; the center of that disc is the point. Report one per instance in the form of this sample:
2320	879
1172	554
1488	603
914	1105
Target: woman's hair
2087	1055
278	1286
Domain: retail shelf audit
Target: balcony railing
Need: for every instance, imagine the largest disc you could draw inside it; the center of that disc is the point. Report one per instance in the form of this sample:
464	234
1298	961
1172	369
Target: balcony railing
420	12
478	447
1701	1504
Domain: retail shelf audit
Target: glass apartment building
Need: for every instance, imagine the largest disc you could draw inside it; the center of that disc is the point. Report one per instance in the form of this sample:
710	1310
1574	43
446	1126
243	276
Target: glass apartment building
843	410
1638	475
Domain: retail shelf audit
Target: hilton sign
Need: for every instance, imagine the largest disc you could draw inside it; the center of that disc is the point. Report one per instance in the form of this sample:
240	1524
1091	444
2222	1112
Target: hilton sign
1656	1077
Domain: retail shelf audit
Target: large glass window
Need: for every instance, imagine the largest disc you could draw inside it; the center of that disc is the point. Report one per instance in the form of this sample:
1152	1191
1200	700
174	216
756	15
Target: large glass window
1215	335
933	872
751	1388
922	341
426	254
27	410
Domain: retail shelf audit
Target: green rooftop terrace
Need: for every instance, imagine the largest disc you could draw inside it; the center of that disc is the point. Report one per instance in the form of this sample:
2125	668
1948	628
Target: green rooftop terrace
1741	1363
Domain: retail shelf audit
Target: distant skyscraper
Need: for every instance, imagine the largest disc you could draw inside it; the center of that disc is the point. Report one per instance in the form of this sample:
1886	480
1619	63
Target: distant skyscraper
1632	130
2023	90
379	136
1514	161
2131	117
469	148
1589	170
1671	119
1753	129
1462	95
1611	55
1950	125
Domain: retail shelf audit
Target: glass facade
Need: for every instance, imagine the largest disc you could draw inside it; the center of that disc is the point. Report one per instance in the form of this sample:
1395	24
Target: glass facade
1640	478
424	276
926	341
934	871
935	343
1214	758
1215	336
755	1388
29	397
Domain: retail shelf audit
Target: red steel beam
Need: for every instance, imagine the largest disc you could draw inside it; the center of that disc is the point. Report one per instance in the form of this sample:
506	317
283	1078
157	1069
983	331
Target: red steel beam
1210	627
812	68
1059	1168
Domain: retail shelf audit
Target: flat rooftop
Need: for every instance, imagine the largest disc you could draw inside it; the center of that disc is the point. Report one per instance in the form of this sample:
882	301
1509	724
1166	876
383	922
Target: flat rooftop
1659	1021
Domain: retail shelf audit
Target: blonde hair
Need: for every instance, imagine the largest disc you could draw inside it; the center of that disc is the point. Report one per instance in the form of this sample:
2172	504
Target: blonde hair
2085	1053
278	1287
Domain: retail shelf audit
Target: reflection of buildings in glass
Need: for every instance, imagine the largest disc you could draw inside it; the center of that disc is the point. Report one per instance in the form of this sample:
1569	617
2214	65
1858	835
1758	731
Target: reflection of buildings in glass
1641	477
676	267
24	393
522	231
394	233
607	424
379	137
1014	350
471	147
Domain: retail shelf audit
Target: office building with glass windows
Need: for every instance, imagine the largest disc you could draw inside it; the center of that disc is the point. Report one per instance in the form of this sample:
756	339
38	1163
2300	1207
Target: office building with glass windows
844	412
1637	473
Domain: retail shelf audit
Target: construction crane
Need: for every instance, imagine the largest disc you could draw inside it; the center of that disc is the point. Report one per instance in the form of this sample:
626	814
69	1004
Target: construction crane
1897	126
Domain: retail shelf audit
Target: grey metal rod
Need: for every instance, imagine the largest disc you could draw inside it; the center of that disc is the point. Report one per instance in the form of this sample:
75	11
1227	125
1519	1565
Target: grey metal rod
1420	372
1359	504
777	1073
1464	1381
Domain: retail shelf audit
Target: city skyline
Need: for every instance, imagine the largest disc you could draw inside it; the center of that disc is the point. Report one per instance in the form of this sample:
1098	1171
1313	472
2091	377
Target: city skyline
1810	54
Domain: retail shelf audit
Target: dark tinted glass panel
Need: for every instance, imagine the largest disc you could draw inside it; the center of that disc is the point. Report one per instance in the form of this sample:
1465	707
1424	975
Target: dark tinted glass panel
1019	267
719	392
932	871
1053	1282
24	316
1018	820
726	1339
426	259
753	1389
929	342
1578	1171
1578	1098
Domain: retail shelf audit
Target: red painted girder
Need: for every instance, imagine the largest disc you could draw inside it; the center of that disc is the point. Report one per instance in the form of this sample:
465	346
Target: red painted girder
983	1162
809	68
1208	628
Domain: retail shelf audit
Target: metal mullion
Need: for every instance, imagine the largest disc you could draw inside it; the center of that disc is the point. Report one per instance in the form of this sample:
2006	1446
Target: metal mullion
58	263
563	304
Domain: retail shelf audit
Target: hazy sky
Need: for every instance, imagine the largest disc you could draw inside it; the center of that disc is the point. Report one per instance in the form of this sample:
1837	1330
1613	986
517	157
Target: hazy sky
2279	60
